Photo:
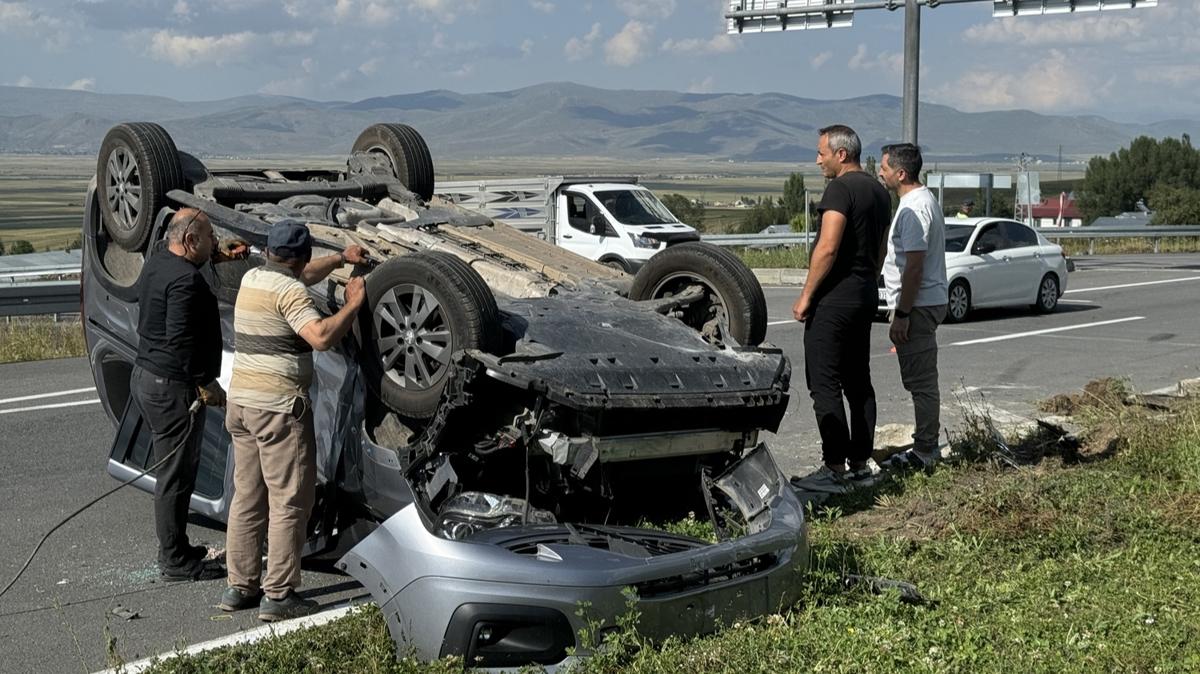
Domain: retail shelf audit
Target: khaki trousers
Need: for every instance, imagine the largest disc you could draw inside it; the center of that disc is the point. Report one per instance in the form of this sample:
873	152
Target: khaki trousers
919	374
274	479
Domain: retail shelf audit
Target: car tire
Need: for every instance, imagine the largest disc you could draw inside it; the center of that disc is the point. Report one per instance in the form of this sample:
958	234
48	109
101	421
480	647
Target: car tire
452	309
959	304
1047	297
732	287
616	263
411	162
137	165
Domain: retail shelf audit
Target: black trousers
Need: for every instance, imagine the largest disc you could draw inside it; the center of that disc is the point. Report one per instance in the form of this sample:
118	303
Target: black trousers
164	403
837	369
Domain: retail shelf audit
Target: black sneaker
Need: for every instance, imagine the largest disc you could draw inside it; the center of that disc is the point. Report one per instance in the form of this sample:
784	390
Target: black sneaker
201	571
291	606
234	599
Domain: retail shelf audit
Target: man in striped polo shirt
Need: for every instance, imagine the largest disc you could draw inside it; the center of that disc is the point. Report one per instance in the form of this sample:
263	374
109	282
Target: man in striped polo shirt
276	327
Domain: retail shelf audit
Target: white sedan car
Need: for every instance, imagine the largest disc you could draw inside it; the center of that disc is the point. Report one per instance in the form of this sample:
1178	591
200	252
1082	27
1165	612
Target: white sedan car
994	262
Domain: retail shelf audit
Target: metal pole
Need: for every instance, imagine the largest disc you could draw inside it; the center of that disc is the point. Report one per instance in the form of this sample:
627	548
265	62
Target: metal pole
912	67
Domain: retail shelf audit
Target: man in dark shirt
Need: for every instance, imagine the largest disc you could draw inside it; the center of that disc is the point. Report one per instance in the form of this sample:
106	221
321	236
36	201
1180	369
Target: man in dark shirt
837	305
178	361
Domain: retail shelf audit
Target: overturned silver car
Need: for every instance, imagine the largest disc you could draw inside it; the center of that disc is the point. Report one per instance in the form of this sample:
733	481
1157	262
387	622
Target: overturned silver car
509	419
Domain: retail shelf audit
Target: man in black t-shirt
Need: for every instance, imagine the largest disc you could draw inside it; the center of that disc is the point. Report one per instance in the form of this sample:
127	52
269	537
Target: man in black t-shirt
178	361
837	306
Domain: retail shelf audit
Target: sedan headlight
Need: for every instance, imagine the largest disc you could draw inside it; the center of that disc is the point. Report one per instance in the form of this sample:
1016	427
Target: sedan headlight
640	241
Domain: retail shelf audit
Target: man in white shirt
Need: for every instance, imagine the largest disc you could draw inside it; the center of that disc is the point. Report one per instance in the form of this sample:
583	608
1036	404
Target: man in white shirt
914	277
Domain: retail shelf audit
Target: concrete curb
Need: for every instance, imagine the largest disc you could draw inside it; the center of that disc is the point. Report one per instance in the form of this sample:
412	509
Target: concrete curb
781	277
245	637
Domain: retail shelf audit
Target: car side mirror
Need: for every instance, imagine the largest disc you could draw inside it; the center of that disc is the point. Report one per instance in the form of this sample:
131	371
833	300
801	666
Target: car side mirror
984	248
597	226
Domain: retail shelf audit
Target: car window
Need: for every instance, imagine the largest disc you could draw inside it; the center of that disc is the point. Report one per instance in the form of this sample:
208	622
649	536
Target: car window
993	235
636	207
1019	235
579	211
957	237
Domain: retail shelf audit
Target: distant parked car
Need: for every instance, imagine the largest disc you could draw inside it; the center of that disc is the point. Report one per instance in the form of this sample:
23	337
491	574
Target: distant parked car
992	262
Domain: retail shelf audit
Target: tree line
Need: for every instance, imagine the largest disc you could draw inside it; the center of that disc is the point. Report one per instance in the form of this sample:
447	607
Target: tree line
1164	175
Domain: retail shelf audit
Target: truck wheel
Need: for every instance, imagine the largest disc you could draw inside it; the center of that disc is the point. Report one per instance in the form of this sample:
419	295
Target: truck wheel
734	306
420	309
138	164
406	150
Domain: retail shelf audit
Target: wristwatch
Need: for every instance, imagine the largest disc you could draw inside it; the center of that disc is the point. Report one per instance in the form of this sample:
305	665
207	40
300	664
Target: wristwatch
900	313
342	254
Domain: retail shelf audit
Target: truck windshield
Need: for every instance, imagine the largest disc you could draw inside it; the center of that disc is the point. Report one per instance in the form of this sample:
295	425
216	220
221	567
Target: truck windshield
636	207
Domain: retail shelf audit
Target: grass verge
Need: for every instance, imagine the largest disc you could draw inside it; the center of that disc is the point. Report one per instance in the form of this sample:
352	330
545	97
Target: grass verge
1086	561
774	258
1179	244
40	338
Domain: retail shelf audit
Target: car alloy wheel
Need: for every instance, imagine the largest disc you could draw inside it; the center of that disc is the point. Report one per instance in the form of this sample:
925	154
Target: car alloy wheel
960	302
1048	294
414	337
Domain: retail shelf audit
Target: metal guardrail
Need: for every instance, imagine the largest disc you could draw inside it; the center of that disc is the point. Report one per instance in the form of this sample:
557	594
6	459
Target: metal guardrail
1052	233
19	297
32	299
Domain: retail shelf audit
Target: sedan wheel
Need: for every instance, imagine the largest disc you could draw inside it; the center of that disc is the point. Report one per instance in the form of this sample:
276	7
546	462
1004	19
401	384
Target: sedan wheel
960	302
1047	299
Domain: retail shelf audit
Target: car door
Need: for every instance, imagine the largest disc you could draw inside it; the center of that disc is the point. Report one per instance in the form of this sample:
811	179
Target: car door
583	233
1025	261
988	268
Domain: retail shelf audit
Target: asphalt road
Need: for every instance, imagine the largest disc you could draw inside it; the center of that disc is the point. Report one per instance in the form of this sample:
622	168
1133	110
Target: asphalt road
1130	316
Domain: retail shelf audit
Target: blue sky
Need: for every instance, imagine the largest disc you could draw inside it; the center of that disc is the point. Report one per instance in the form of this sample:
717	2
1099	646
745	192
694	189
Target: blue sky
1130	65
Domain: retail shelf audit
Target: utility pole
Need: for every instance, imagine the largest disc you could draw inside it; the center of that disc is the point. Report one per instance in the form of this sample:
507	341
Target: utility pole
912	68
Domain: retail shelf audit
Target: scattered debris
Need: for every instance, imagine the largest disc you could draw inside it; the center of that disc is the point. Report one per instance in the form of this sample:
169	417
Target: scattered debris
125	613
909	594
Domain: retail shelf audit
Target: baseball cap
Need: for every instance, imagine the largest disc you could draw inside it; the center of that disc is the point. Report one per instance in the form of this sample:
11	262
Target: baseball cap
290	239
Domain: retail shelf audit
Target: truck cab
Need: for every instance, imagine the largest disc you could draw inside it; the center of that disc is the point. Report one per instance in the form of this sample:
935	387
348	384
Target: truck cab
611	220
618	224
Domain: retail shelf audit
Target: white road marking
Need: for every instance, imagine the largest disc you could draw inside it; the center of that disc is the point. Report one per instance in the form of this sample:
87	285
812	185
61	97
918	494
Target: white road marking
1032	333
49	407
56	394
1133	285
247	637
790	320
1077	301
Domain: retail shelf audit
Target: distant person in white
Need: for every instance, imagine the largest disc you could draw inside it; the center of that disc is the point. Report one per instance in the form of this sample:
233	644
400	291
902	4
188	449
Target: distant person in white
914	278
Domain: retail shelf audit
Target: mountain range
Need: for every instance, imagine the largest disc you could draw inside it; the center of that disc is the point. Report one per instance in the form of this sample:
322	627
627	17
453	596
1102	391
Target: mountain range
555	119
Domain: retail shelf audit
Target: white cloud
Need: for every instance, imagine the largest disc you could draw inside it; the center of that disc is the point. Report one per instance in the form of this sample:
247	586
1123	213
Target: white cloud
292	86
578	48
308	64
719	44
820	59
863	60
1173	75
1049	32
526	47
641	9
181	10
187	50
371	66
20	17
83	84
25	81
630	45
704	86
542	5
1052	84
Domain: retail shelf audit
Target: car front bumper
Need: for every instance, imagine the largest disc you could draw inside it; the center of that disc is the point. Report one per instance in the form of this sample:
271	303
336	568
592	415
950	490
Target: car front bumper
500	607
